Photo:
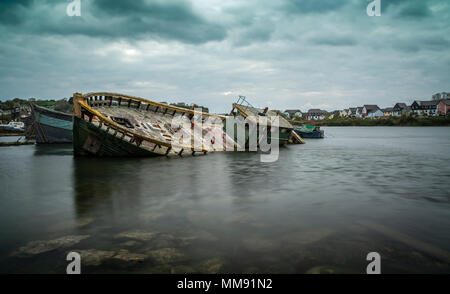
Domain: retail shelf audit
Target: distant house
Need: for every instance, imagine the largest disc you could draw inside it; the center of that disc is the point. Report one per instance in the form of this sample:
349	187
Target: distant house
388	111
291	113
440	96
358	113
443	107
343	113
316	114
334	114
371	111
424	108
352	112
399	109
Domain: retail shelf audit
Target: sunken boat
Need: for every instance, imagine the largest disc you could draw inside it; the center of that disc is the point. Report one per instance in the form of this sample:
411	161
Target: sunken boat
117	125
310	132
49	126
263	127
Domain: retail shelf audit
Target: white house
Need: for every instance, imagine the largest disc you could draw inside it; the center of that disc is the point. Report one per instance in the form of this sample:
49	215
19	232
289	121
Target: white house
427	108
316	114
358	112
291	113
343	113
371	111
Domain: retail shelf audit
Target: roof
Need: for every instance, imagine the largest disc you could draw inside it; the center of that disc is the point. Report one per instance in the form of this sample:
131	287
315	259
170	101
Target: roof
371	107
428	103
317	111
446	101
401	105
387	109
292	111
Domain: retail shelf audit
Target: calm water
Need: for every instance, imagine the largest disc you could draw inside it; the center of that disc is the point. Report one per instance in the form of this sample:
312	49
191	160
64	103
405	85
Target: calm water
320	208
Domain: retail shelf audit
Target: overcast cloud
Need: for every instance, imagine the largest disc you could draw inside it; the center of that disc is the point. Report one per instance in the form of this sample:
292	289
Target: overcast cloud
285	54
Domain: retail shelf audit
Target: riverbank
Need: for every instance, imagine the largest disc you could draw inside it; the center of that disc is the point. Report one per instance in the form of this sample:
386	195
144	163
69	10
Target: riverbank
404	121
16	143
11	133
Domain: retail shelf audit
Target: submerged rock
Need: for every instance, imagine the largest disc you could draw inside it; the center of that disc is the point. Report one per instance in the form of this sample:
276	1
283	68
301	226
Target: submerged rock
42	246
93	257
170	241
211	266
84	221
137	235
130	243
325	269
182	269
125	255
307	237
205	236
166	255
150	217
259	244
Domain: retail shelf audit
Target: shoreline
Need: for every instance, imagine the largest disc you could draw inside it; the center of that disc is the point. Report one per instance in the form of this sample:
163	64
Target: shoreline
403	121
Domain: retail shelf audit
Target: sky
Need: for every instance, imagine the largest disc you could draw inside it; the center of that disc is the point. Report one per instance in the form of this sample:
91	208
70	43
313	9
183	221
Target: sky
287	54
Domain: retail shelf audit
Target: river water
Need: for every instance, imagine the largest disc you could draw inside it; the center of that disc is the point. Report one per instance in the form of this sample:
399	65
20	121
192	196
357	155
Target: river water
322	207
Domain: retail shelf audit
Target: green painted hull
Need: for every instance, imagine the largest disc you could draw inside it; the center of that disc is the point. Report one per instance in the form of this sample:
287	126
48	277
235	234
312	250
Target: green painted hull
89	139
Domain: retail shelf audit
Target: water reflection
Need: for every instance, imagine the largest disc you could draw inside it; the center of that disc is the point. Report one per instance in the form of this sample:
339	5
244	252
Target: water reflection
320	208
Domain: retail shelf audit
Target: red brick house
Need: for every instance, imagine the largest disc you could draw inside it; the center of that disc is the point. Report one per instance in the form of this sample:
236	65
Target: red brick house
444	107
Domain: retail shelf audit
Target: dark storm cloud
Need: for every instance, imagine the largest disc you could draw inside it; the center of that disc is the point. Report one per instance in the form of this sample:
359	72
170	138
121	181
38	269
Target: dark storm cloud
313	6
137	19
414	9
294	54
11	11
334	40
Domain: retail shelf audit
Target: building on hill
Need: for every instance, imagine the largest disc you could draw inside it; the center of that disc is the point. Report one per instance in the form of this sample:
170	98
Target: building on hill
424	108
316	114
440	96
388	111
443	107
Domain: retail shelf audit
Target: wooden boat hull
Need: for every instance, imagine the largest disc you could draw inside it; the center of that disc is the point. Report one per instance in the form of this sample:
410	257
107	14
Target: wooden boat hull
252	115
89	139
51	127
111	124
